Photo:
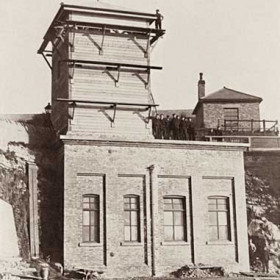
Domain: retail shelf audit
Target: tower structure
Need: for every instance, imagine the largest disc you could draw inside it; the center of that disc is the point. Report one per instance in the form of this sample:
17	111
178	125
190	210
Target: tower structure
100	61
133	205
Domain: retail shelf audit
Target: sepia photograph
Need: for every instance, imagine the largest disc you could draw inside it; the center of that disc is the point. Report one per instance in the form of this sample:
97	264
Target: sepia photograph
139	139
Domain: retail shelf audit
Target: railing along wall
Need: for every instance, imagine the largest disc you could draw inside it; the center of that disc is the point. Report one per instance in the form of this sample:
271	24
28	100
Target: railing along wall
249	125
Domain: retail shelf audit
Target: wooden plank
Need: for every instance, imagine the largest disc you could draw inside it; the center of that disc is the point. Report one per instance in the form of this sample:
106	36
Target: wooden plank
113	59
105	103
145	16
115	99
112	98
113	64
115	40
95	18
93	78
116	26
33	209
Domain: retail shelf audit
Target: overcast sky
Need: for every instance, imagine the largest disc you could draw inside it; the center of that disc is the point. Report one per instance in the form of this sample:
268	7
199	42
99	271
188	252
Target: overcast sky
235	43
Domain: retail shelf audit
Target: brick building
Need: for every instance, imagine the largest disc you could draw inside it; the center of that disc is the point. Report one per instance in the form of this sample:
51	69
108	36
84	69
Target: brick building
226	108
133	205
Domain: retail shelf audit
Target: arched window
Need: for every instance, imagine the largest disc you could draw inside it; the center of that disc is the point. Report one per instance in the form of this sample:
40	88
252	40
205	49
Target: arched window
219	218
174	218
131	218
91	219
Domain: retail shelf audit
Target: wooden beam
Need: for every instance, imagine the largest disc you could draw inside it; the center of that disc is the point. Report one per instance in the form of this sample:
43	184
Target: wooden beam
33	209
49	33
126	65
135	29
110	10
112	15
106	103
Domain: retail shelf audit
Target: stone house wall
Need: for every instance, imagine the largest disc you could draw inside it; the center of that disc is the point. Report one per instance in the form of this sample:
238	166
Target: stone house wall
214	112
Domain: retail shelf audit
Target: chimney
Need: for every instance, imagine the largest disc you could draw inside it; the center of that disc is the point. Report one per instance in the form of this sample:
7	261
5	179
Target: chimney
201	86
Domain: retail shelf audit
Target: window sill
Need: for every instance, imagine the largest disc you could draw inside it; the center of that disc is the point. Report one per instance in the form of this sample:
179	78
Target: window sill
220	242
131	244
89	244
175	243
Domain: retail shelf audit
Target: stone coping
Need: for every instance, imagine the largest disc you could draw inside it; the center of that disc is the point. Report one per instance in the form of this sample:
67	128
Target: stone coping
154	143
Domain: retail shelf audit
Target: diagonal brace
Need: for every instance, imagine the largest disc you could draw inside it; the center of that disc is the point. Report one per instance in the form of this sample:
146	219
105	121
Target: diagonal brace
102	42
99	46
71	74
116	80
47	61
118	77
147	51
114	106
146	82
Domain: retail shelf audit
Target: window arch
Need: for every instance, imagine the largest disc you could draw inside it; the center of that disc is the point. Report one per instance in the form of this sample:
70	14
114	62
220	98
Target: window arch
219	218
91	218
131	218
174	218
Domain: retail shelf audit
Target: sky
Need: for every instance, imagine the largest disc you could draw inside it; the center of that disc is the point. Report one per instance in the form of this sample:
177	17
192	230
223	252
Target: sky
235	43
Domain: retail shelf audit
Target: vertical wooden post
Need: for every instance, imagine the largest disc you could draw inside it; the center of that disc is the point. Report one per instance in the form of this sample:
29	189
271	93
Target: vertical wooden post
33	209
263	126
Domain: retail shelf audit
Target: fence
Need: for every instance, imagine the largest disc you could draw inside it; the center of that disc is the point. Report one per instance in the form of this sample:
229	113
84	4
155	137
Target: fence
253	126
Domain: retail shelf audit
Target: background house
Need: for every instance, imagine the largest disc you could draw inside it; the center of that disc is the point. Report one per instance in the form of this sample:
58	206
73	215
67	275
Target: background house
231	111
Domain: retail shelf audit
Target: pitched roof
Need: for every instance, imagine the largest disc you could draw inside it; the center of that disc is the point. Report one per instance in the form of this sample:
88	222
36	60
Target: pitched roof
228	95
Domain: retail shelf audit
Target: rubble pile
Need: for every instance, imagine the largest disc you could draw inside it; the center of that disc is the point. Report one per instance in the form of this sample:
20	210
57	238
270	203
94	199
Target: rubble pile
198	272
263	207
13	190
15	267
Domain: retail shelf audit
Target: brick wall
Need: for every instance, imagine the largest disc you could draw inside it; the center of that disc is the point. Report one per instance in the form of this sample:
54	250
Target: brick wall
114	169
215	111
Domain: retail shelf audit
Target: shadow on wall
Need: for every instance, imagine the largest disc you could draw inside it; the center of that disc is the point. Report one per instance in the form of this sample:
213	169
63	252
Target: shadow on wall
43	141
